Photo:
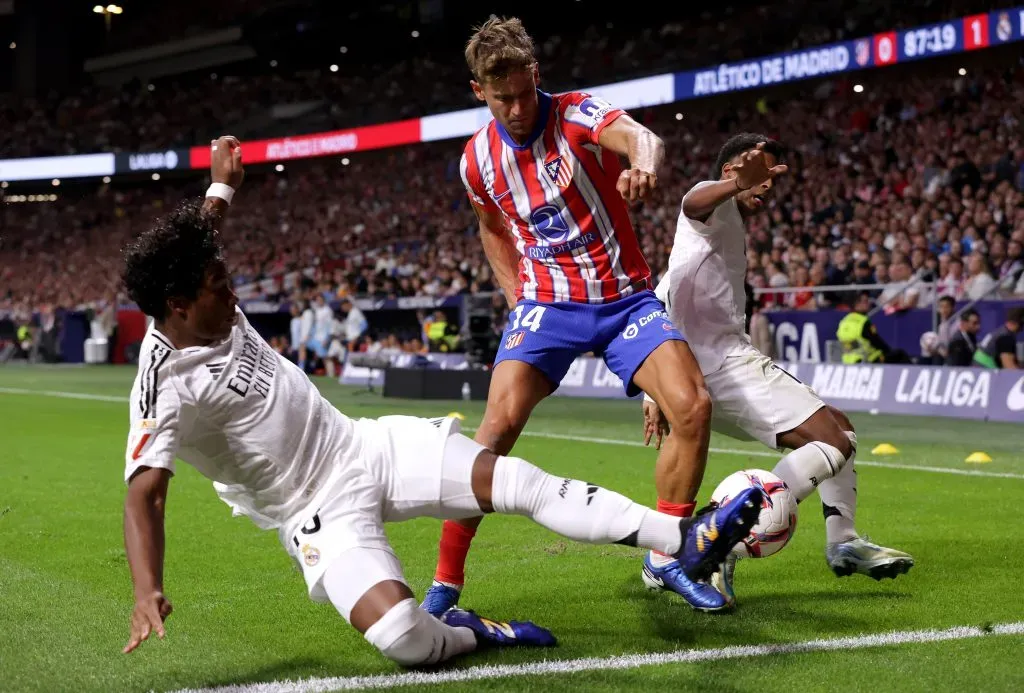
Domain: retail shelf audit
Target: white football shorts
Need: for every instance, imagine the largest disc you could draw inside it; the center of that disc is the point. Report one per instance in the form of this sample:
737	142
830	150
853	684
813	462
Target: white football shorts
754	399
408	467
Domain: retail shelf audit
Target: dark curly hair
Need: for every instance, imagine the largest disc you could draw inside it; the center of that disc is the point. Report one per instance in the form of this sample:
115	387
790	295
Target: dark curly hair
171	259
744	142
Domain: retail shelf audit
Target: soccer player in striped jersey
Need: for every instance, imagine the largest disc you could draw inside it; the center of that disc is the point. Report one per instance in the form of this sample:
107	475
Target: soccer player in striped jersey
545	179
213	393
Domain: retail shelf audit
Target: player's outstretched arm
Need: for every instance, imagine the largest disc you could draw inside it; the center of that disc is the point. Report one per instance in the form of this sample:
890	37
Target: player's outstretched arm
747	171
645	152
144	546
226	174
501	252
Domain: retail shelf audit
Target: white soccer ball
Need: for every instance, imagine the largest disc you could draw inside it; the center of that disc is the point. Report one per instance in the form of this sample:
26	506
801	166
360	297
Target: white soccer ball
777	521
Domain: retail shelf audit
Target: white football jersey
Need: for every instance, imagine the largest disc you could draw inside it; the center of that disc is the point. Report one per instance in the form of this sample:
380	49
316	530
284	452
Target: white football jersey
244	416
703	289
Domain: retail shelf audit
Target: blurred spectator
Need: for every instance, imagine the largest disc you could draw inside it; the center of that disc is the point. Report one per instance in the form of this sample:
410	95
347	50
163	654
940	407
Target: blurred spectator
962	345
979	280
860	339
999	348
356	323
945	307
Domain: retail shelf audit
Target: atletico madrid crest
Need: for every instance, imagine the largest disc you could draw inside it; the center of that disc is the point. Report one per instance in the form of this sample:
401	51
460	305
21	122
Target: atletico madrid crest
559	172
514	340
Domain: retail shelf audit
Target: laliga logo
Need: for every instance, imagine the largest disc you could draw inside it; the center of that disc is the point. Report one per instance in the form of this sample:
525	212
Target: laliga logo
1015	398
148	162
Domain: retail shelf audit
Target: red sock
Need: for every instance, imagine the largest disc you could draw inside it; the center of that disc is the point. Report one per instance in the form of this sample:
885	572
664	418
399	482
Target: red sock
675	510
451	559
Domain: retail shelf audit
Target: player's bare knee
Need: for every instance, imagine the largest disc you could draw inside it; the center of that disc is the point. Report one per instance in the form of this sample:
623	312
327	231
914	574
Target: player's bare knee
688	410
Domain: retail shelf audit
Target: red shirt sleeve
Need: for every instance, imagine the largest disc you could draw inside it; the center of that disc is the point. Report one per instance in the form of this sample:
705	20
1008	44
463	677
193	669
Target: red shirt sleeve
469	168
584	116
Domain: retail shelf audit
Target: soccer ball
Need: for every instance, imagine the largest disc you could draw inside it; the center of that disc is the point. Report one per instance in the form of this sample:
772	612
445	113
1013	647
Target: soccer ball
777	521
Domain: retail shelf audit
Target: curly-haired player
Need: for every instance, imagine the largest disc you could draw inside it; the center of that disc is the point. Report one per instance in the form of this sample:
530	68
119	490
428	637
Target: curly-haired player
212	392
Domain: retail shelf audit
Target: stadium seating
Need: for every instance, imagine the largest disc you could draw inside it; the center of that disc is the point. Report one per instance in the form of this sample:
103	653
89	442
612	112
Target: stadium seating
928	169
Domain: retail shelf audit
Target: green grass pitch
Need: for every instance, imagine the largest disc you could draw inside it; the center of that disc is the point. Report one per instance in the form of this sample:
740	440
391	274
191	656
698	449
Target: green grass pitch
242	616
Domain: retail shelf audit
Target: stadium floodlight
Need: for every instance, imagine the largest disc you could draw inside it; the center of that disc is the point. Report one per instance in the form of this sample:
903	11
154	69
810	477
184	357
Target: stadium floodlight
962	71
858	88
114	9
106	179
345	161
279	168
273	63
679	116
55	182
12	45
344	49
156	176
334	68
415	34
98	9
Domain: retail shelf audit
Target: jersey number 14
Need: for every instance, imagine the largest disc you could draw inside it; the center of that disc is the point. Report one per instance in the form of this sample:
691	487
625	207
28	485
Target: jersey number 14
530	320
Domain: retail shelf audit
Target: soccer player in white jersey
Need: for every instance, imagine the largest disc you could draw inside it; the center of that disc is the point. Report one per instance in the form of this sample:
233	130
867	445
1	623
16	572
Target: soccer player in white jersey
211	392
753	398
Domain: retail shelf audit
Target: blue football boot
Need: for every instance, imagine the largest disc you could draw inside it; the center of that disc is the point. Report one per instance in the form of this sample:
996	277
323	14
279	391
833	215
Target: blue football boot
712	534
671	577
439	598
501	633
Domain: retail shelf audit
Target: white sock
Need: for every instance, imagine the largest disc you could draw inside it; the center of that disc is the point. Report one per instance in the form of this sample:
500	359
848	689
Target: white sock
410	636
581	511
806	467
839	500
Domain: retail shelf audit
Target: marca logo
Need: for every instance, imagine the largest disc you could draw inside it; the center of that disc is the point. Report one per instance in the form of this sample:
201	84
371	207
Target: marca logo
603	377
862	383
576	374
958	388
1015	398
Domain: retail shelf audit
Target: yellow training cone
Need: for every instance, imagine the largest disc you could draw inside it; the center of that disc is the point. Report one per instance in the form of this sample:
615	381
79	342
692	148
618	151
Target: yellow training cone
456	415
884	449
978	458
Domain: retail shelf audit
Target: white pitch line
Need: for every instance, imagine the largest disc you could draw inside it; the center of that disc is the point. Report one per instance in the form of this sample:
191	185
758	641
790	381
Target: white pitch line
775	455
582	439
569	666
62	395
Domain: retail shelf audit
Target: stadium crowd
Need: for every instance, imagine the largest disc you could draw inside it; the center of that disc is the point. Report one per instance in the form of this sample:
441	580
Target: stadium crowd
182	111
925	175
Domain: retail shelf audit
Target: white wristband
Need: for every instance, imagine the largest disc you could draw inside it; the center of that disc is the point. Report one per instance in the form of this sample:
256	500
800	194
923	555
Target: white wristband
224	192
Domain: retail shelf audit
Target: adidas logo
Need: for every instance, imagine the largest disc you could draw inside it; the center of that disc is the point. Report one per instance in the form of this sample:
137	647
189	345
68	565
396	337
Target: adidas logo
216	369
591	490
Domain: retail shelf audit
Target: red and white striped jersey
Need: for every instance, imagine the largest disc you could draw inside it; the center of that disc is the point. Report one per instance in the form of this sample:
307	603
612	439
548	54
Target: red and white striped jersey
557	193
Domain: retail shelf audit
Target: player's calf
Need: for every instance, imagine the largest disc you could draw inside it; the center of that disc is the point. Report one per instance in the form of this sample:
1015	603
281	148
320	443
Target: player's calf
411	637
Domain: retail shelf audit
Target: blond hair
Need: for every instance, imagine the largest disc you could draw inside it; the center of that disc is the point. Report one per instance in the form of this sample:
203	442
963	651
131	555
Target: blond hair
498	47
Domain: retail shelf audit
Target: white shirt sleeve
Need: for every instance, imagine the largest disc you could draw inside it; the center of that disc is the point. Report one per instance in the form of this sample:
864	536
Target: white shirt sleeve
155	419
307	324
709	226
